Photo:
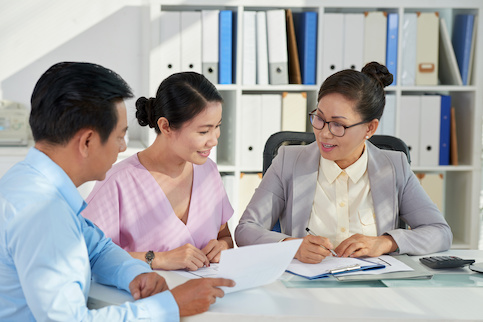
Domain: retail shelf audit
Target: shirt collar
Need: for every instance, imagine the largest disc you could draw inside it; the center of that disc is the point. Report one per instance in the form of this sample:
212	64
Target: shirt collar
57	176
355	171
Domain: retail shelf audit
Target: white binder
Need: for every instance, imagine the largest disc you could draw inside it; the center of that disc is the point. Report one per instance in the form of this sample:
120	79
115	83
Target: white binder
333	44
191	41
170	42
427	45
213	154
408	57
251	150
262	48
449	73
271	116
409	125
353	41
294	111
387	124
430	116
375	37
249	48
210	44
277	47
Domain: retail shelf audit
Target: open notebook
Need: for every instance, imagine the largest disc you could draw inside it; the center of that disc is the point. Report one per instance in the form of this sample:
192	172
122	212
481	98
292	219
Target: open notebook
332	266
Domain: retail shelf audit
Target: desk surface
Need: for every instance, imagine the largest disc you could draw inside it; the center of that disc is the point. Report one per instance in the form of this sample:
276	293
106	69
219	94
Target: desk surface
276	302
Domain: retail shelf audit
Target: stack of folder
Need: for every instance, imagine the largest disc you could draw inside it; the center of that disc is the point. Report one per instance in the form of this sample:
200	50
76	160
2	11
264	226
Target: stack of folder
279	47
352	40
427	126
430	55
265	114
199	41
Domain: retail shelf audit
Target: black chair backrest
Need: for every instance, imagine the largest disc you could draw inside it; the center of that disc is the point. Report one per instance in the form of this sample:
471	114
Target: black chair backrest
278	139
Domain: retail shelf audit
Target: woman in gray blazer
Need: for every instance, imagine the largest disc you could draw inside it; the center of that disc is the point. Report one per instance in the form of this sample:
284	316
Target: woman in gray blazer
349	193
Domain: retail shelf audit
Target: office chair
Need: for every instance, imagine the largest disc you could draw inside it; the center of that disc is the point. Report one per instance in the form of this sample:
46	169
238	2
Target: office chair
278	139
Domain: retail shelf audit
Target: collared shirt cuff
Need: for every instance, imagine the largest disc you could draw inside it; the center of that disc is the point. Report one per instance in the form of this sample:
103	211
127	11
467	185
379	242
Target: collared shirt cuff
161	307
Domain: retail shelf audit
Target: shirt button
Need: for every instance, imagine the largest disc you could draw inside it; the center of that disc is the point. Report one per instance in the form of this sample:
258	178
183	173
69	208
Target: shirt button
342	229
341	204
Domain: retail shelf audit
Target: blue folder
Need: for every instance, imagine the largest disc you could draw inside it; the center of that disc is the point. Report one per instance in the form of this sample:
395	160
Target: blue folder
445	127
226	47
462	38
305	25
391	45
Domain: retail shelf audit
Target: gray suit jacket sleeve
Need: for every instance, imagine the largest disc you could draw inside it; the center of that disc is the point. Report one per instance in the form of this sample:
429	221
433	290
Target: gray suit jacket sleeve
287	191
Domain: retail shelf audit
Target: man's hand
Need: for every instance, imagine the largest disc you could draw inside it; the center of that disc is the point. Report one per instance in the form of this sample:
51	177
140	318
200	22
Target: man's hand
147	284
359	245
196	296
311	250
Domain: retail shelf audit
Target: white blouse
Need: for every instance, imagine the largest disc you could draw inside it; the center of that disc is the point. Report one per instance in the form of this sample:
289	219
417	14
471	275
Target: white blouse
343	202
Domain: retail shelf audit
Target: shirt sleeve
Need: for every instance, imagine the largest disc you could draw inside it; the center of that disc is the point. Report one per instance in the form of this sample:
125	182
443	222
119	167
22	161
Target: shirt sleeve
54	270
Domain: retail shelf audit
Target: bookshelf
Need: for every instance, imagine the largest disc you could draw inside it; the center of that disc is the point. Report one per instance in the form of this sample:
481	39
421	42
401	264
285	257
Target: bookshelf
461	183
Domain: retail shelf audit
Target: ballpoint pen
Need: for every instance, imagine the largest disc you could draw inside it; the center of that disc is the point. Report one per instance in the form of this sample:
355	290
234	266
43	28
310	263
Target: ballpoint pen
311	233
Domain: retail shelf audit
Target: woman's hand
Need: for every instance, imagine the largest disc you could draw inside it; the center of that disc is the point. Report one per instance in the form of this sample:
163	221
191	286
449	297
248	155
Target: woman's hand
359	245
311	250
184	257
213	249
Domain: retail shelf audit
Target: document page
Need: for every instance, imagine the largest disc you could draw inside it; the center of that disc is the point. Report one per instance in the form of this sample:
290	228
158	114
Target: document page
391	263
325	267
250	266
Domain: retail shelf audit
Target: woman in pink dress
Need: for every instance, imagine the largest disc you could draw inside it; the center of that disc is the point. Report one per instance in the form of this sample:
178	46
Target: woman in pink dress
167	204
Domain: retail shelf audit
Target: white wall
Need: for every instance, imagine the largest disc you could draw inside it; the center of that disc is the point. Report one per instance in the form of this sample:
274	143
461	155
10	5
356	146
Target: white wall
35	34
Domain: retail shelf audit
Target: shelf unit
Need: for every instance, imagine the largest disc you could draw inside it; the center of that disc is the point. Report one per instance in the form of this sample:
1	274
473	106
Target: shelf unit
461	184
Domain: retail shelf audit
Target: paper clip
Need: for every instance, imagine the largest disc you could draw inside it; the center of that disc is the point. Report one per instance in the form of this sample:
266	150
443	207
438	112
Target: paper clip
345	269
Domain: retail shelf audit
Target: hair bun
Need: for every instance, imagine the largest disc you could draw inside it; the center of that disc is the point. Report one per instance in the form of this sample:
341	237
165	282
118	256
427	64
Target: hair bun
145	112
379	72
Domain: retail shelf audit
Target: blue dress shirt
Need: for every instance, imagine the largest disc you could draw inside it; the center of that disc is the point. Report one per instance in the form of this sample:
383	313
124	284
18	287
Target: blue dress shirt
48	252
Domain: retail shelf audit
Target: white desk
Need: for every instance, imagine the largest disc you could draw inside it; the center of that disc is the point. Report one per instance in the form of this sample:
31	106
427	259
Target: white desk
275	302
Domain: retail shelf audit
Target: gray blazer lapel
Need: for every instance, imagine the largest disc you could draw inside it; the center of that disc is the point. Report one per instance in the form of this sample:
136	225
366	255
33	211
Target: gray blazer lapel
304	183
382	178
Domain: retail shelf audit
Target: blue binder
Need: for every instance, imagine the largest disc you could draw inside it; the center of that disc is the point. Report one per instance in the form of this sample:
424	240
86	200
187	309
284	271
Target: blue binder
444	133
391	44
462	38
226	47
305	24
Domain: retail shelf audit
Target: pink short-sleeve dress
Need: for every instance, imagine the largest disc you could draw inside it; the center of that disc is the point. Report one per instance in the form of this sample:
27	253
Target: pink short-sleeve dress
132	209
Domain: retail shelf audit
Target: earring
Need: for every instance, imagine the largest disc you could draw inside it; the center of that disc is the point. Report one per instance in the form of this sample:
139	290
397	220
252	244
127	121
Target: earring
367	137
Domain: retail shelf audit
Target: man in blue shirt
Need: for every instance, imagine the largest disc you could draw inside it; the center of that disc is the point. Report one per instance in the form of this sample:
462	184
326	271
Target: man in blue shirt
48	251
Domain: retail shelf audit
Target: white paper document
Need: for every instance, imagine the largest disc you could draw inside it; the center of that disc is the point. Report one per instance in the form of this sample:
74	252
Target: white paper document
250	266
392	265
347	266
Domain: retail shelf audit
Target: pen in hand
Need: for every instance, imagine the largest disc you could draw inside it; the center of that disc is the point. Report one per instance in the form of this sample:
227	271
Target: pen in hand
311	233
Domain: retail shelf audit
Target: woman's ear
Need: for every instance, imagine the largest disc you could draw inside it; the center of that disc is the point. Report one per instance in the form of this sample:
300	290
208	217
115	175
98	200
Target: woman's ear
163	125
372	127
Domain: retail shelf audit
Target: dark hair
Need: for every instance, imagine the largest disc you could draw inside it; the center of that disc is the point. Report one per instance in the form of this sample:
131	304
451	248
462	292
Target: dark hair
366	88
71	96
179	98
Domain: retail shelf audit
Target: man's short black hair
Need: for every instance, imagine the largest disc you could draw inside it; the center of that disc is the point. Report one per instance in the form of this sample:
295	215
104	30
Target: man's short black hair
71	96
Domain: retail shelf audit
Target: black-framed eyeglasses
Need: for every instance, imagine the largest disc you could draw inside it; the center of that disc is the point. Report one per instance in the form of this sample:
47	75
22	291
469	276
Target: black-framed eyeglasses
335	128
